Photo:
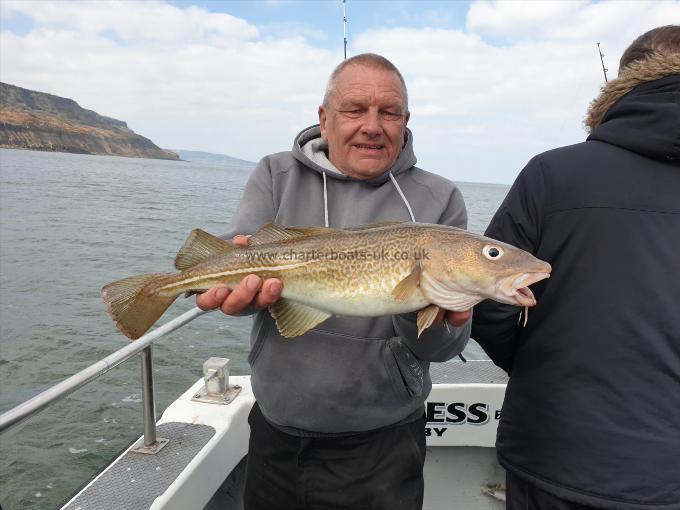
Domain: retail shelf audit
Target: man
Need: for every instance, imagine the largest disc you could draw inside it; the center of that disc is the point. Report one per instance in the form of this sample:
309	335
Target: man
339	416
591	417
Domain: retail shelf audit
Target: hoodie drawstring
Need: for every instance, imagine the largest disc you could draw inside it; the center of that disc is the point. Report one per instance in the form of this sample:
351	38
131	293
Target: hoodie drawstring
394	181
325	201
403	197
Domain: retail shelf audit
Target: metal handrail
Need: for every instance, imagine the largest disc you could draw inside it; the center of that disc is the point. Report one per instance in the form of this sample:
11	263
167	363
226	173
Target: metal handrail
36	404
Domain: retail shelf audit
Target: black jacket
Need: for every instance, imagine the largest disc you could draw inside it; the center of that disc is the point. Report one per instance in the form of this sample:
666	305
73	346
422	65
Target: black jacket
592	409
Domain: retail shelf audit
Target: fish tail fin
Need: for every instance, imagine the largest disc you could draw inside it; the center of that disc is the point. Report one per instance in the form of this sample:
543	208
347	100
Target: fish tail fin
135	303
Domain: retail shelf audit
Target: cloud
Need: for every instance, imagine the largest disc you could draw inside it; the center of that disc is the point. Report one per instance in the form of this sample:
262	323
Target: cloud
576	20
148	22
486	107
516	81
294	30
186	78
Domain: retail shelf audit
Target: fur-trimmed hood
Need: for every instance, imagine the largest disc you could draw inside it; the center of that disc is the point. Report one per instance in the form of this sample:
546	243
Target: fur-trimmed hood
640	109
642	71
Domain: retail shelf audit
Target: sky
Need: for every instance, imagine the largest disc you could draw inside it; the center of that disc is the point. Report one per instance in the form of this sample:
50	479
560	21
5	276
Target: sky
491	83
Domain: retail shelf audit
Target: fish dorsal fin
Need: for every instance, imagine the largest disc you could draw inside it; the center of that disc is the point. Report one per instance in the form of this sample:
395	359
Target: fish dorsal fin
272	233
376	225
426	317
295	319
198	247
313	230
408	285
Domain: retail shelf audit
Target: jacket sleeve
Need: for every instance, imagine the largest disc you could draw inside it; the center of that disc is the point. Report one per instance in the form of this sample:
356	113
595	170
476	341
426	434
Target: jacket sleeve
437	343
496	326
256	207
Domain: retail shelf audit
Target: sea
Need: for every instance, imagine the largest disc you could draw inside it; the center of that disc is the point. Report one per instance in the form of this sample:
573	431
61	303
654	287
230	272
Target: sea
69	224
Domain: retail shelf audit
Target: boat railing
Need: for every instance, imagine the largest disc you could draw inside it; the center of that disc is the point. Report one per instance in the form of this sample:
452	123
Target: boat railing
144	344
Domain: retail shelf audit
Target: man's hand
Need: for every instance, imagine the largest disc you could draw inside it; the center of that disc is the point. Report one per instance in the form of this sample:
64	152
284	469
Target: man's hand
456	319
251	292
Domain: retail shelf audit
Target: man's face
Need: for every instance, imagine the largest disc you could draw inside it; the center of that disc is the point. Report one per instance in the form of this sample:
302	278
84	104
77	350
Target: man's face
365	122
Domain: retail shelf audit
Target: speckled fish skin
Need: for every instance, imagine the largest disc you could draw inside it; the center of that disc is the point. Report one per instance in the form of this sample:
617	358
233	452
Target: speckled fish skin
368	271
336	271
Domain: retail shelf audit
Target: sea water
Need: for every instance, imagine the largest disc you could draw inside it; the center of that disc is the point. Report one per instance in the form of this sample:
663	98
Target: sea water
68	225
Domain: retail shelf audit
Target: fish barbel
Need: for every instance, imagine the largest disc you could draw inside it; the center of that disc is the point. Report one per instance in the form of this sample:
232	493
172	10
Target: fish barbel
372	270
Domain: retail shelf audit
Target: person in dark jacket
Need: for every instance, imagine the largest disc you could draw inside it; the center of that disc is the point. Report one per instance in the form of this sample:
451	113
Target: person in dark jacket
591	417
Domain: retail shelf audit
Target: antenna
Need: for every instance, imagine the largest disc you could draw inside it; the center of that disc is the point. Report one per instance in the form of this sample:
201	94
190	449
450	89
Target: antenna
344	25
604	69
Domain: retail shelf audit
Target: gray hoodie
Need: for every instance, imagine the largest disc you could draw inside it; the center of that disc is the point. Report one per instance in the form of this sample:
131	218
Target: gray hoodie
349	374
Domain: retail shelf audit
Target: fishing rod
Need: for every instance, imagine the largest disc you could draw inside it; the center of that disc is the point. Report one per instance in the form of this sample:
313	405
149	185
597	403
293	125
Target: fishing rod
344	25
604	69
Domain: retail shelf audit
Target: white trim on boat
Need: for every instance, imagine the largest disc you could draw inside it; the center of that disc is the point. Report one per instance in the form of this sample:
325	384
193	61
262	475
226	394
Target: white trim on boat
461	466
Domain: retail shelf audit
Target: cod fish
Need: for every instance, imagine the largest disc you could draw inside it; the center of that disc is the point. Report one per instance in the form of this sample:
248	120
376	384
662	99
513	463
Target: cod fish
371	270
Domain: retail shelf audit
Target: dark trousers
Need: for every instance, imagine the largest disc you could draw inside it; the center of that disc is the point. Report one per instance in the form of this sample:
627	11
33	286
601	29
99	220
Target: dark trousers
522	495
375	470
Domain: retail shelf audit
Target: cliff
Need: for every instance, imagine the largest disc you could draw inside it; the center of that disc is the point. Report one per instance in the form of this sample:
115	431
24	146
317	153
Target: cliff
40	121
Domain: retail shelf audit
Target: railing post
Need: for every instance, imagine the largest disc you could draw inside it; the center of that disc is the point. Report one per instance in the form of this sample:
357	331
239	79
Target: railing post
150	443
148	400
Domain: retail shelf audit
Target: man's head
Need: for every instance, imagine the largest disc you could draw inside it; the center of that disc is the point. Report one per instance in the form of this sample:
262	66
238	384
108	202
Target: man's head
658	40
650	57
364	115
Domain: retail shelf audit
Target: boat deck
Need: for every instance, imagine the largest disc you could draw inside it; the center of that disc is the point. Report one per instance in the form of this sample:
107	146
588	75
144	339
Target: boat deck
136	480
208	442
469	372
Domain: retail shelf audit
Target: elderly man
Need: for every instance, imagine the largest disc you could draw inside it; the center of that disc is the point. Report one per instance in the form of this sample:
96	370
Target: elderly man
339	416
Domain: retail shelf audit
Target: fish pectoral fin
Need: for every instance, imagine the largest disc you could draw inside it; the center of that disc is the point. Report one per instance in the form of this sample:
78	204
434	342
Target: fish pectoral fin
271	233
198	247
295	319
426	317
408	285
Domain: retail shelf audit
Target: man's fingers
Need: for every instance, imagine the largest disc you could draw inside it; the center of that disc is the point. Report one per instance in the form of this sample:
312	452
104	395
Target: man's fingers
269	293
216	297
250	292
242	296
457	319
212	298
241	240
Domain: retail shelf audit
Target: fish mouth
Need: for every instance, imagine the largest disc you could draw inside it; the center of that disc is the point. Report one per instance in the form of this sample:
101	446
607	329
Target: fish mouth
516	288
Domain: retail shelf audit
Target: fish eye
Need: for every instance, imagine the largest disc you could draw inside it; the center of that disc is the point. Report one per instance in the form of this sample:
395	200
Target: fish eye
492	252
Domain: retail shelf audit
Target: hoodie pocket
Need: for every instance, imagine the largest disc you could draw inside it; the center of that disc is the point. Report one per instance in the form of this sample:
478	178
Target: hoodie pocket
410	369
258	335
329	382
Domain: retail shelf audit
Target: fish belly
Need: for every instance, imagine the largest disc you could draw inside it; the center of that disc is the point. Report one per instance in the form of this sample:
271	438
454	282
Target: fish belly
346	302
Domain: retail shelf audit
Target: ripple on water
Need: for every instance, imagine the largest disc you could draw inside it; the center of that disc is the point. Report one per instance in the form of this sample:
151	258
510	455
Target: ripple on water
102	218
